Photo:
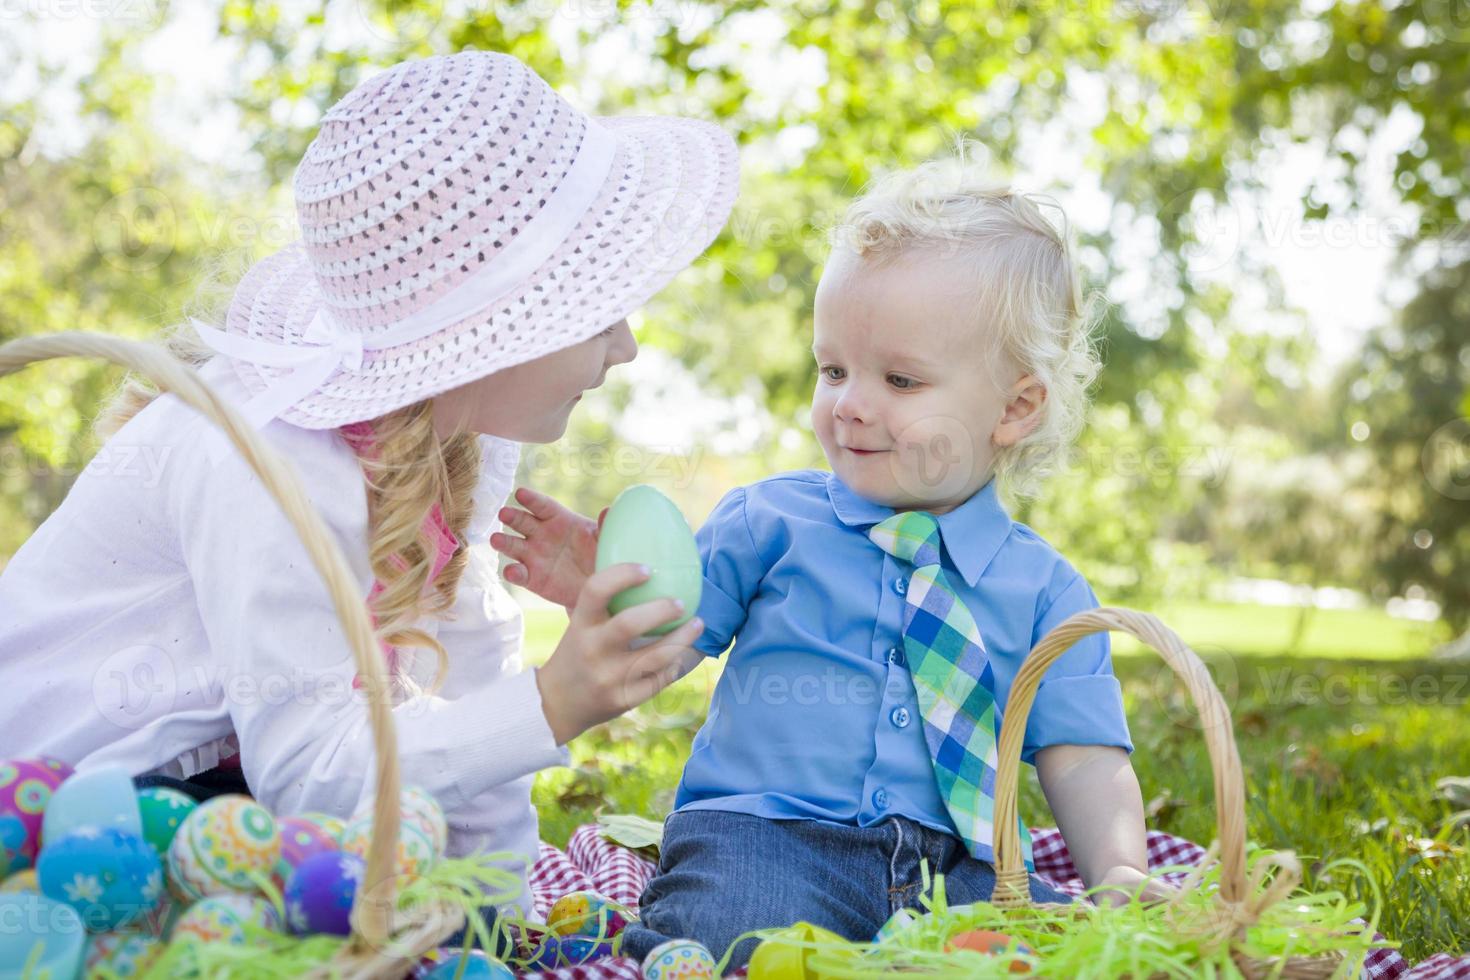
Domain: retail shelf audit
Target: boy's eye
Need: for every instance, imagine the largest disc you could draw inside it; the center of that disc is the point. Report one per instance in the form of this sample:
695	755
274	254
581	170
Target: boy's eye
900	382
832	373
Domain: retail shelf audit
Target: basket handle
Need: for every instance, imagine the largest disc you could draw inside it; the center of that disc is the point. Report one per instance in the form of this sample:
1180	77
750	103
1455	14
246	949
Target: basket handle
370	917
1012	889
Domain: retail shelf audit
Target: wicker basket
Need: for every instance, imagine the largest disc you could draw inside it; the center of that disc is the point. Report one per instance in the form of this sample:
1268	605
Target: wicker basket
386	941
1240	902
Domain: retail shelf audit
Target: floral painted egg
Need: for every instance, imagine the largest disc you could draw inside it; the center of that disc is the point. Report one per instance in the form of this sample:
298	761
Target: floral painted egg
121	954
300	839
553	951
111	877
223	919
477	966
320	891
416	855
102	797
334	826
219	847
587	914
22	881
163	811
41	938
420	808
26	786
646	527
679	959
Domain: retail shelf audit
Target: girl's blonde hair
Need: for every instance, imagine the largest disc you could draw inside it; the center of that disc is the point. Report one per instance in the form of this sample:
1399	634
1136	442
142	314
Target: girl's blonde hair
1027	286
407	469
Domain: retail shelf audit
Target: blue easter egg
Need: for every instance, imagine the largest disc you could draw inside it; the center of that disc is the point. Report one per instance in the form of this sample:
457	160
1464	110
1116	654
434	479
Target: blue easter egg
13	840
477	966
554	951
49	931
94	798
111	877
320	891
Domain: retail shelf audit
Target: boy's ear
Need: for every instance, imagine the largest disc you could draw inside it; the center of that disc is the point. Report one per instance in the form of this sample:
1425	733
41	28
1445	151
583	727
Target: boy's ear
1022	412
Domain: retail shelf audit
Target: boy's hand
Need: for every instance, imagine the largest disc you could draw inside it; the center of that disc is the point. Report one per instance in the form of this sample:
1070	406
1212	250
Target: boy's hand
556	549
602	667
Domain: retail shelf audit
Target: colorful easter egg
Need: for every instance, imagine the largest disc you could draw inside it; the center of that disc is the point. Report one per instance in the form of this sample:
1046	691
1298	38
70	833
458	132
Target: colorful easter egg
645	527
45	935
334	826
26	786
420	808
102	797
991	943
22	881
320	891
415	855
789	953
223	919
477	966
679	959
111	877
121	954
221	845
300	839
587	914
163	811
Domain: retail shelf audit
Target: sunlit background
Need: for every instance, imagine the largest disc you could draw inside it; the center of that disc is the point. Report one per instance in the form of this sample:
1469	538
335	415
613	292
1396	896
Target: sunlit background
1270	198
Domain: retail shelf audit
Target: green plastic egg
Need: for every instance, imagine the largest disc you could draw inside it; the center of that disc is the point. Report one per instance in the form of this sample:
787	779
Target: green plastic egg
643	526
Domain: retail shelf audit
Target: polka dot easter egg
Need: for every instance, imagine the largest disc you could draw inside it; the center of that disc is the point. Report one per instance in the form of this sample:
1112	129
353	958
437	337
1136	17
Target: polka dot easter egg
332	826
300	839
224	918
221	846
121	954
26	786
320	891
111	877
679	959
163	811
587	914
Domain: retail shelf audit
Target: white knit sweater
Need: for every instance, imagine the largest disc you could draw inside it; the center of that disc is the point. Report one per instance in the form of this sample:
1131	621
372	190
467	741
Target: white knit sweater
167	612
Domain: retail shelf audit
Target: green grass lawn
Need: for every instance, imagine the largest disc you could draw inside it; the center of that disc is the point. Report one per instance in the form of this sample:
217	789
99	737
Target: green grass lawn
1342	743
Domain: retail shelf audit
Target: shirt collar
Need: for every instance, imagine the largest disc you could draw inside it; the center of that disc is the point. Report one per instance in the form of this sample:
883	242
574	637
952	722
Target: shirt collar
972	533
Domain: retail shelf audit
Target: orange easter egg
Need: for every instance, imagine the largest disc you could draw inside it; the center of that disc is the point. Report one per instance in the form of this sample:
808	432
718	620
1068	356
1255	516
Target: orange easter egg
990	943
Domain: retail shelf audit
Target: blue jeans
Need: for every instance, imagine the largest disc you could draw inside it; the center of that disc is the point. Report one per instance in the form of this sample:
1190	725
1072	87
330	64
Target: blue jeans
721	874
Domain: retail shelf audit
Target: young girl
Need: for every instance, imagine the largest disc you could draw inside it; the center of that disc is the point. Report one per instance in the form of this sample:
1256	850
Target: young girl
880	611
471	248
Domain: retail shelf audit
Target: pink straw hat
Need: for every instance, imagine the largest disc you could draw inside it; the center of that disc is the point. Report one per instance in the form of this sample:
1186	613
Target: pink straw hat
459	217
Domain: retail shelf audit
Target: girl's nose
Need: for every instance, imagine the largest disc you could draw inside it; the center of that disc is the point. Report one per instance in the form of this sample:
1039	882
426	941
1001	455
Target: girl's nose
623	347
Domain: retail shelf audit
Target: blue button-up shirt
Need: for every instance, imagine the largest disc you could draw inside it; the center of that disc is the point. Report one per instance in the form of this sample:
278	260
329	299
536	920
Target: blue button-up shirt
814	716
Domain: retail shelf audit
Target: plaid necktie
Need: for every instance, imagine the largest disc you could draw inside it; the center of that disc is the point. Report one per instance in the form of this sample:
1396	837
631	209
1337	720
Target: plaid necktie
953	680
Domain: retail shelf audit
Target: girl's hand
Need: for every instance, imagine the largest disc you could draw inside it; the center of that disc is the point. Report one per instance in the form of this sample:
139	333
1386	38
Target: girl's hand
601	668
556	550
1124	882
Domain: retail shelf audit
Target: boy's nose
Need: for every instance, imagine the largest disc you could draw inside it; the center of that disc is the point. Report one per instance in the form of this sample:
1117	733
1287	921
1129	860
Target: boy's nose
851	407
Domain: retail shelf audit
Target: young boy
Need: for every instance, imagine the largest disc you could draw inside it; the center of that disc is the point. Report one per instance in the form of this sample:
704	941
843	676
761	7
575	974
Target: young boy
880	611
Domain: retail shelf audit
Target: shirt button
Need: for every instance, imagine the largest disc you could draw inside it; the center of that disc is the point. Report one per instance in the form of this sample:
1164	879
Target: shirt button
896	657
899	717
880	799
901	586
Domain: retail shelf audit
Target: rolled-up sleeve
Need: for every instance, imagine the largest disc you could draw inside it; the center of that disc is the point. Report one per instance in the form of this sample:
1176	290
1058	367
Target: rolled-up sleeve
732	572
1079	700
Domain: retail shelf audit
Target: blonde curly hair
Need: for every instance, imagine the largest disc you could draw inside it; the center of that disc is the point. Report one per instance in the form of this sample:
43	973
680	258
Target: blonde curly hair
407	469
1026	285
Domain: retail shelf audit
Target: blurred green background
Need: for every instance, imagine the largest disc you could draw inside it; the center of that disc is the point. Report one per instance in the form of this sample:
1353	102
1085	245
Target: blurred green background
1270	199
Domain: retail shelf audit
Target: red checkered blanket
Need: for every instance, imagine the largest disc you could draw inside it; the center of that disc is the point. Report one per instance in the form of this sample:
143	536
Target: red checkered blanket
591	863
